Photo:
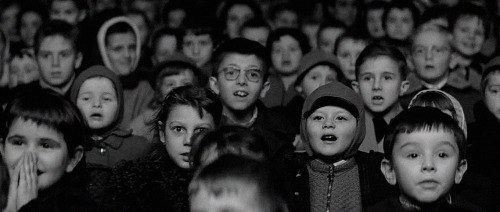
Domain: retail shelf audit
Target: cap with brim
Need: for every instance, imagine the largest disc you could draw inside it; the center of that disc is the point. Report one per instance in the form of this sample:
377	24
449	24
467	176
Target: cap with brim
315	58
176	59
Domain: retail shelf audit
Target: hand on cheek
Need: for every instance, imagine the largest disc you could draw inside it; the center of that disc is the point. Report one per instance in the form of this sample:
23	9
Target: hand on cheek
23	183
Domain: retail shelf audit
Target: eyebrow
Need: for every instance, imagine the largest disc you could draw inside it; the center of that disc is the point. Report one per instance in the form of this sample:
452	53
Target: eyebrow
15	136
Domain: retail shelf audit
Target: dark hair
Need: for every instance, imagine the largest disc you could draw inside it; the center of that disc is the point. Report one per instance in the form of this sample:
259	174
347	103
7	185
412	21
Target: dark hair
200	26
486	77
196	97
255	23
401	5
171	6
270	190
282	7
80	4
296	34
230	3
170	68
469	9
418	119
354	34
330	24
435	12
143	16
228	140
377	50
161	32
45	107
57	27
241	46
118	28
36	7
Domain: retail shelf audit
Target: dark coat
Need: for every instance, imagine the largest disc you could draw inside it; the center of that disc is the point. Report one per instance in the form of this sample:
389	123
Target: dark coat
393	204
374	187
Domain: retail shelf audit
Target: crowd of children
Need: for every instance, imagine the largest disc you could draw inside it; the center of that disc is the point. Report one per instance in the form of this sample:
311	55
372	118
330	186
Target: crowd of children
249	105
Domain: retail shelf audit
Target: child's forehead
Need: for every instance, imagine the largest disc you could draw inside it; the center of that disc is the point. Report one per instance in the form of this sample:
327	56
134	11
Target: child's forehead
349	43
331	109
51	39
67	4
396	11
427	137
469	19
379	63
242	60
431	37
98	83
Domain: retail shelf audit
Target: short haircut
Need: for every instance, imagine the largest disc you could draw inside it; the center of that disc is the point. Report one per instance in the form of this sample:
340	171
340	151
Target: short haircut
118	28
45	107
160	33
228	140
282	7
230	3
422	119
57	28
171	6
296	34
34	6
200	26
80	4
401	5
199	98
255	23
486	76
170	68
230	175
432	28
241	46
143	16
435	12
376	5
377	50
330	24
354	34
470	10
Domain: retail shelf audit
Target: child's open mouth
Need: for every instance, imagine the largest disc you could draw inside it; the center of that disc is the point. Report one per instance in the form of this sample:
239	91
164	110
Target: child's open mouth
95	116
377	100
240	93
286	63
429	67
329	138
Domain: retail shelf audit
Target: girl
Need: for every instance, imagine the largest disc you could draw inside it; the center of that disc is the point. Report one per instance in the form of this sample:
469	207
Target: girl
160	180
43	151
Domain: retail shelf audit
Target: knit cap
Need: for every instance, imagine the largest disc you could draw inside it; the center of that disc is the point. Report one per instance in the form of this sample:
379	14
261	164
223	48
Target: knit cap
314	58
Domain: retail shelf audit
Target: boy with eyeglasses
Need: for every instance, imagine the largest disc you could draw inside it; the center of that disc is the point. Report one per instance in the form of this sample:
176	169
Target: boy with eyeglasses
240	78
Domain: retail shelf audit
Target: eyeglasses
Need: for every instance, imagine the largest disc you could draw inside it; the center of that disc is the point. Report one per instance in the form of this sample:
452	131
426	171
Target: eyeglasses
436	51
232	73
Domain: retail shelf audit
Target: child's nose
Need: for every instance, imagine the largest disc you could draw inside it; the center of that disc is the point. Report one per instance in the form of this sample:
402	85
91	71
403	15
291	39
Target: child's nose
96	102
196	49
329	123
55	61
377	84
242	80
428	165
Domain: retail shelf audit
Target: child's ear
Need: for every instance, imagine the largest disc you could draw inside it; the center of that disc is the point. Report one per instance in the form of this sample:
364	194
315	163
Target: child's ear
405	85
265	88
78	60
214	85
77	156
355	86
388	171
462	167
161	132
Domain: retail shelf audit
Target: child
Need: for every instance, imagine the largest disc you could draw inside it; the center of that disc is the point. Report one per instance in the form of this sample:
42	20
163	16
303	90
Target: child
43	151
98	94
286	47
57	55
345	11
164	42
236	12
160	180
424	157
347	49
328	33
374	12
256	30
120	47
469	27
334	175
284	15
175	72
71	11
485	131
240	78
173	13
380	80
23	70
233	183
431	55
30	19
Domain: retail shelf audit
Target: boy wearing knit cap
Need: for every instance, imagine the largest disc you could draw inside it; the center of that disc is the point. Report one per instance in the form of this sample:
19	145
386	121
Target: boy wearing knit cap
334	175
380	81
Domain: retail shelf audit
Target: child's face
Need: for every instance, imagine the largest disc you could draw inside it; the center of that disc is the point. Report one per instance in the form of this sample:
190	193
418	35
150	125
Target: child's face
244	199
167	45
182	123
8	19
286	18
347	54
22	71
98	102
256	34
185	77
241	93
492	94
331	131
327	38
198	48
431	56
30	22
121	50
48	146
374	23
286	55
65	10
236	16
345	11
141	24
380	84
316	77
57	60
424	165
399	24
175	18
468	35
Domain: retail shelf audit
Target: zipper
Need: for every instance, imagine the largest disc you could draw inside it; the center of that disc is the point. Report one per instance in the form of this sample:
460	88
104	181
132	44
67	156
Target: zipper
330	186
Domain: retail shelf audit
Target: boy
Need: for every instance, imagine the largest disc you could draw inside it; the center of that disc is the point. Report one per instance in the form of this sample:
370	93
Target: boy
71	11
380	80
431	55
284	15
374	12
256	30
240	77
424	156
198	41
164	42
57	55
328	33
233	183
333	175
120	47
347	49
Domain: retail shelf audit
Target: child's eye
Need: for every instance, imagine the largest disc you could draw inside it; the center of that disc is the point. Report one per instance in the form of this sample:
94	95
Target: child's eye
178	129
199	130
341	118
366	78
412	155
317	118
387	77
46	145
16	142
442	155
